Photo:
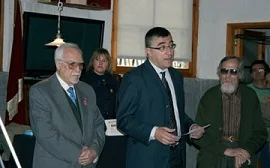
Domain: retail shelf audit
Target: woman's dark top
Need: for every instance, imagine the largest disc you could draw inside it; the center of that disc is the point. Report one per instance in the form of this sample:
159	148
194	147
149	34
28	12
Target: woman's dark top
106	89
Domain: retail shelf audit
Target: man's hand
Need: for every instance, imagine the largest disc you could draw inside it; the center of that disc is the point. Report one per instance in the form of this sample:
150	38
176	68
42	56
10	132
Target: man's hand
240	155
198	134
87	156
165	136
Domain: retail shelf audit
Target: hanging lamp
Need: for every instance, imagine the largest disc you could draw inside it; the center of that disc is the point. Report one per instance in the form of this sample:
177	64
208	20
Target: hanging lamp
58	40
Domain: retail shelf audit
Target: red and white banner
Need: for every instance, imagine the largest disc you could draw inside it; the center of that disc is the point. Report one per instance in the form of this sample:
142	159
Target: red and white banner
15	101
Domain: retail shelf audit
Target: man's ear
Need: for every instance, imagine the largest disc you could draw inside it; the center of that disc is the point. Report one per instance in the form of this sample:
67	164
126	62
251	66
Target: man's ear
218	74
147	50
57	64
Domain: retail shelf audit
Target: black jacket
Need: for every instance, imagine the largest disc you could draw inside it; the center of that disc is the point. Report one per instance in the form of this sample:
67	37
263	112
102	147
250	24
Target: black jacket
106	89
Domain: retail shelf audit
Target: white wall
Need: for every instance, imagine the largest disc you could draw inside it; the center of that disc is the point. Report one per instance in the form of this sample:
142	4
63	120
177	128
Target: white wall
213	18
33	6
8	33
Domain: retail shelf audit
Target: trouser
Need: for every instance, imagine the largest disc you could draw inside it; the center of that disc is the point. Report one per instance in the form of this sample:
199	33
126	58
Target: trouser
176	158
264	154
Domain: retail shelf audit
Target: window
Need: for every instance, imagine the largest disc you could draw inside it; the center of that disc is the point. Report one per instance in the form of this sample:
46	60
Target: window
132	19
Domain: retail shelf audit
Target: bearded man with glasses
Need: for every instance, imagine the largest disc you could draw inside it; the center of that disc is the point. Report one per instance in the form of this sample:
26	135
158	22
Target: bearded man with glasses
65	119
237	130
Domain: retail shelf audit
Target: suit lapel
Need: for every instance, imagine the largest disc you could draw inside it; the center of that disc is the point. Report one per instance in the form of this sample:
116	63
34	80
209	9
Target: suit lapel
175	85
153	76
83	104
156	86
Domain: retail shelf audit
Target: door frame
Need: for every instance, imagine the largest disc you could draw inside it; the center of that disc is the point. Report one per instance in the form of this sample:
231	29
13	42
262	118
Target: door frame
239	43
232	28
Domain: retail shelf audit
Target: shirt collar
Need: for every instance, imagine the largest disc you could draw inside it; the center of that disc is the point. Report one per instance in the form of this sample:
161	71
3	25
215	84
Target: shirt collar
64	85
157	69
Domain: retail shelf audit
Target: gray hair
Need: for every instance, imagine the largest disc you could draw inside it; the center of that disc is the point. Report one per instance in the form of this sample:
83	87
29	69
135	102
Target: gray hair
240	67
59	52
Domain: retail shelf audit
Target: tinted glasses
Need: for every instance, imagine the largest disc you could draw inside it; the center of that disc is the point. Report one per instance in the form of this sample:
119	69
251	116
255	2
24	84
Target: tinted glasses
224	71
73	65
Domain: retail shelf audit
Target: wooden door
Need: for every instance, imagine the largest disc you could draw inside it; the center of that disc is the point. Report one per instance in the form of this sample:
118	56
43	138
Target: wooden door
249	46
249	36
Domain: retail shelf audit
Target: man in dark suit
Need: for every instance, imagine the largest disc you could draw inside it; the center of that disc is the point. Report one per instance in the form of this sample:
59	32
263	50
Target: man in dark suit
151	108
65	119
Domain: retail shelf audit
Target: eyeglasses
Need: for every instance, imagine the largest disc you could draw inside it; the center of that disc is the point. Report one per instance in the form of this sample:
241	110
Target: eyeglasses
258	70
224	71
164	48
73	65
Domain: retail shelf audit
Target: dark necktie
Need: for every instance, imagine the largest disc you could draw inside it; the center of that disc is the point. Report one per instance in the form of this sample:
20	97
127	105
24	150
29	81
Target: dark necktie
172	122
72	95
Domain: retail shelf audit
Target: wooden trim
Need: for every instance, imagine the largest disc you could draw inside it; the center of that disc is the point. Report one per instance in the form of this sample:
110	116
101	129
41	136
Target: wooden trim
114	34
89	5
122	70
261	53
191	72
230	40
238	44
250	25
1	32
231	28
195	26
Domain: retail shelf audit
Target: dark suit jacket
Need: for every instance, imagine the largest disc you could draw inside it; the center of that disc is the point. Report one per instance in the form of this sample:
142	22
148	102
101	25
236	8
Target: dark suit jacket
143	104
252	132
59	139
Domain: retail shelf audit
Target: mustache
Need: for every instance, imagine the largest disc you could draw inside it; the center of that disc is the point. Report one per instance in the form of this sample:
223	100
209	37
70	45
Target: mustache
77	74
226	81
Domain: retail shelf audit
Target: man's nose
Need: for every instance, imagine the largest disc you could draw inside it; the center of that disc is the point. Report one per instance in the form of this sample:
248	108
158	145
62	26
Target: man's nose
169	50
228	75
77	68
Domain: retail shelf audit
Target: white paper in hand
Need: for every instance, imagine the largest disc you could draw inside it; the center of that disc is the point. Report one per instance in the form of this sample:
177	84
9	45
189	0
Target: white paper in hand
195	130
111	128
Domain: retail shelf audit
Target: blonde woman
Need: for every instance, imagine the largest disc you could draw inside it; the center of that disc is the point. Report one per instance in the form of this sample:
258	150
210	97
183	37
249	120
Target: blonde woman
99	75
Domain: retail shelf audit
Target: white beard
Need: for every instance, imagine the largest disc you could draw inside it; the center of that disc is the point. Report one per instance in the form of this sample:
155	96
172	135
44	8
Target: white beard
228	88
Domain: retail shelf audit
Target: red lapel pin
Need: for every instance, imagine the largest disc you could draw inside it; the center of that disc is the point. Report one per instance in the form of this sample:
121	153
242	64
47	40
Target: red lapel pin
85	101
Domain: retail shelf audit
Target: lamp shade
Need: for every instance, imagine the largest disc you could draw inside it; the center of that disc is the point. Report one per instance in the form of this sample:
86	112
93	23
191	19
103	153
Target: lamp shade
56	42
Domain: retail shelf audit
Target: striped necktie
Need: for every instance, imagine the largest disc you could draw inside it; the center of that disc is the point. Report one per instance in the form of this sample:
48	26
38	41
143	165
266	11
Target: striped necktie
172	120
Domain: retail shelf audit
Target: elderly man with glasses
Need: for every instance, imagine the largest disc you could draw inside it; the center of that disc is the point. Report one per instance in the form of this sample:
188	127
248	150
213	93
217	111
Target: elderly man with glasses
258	71
237	130
65	119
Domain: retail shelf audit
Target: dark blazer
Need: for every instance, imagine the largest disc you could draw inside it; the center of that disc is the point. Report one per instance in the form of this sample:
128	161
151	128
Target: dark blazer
143	104
252	132
59	139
